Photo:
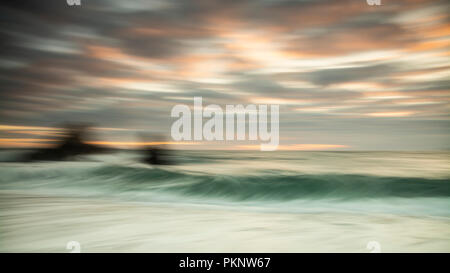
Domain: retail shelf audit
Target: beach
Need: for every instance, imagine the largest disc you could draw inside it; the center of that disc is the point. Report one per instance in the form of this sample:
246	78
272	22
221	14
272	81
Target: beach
34	223
229	202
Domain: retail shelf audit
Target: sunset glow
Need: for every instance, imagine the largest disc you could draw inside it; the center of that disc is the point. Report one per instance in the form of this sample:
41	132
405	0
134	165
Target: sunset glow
334	67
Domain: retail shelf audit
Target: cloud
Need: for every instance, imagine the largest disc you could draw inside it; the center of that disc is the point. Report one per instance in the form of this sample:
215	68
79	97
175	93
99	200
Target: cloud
334	66
353	74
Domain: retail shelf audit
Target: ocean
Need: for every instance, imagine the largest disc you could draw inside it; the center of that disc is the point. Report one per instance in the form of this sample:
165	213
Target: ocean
228	201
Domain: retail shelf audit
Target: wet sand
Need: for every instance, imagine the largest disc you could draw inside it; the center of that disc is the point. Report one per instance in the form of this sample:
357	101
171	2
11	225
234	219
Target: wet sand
38	223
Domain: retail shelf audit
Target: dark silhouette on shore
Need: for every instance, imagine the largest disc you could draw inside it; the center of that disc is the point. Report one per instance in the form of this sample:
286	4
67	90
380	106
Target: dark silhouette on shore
158	153
72	144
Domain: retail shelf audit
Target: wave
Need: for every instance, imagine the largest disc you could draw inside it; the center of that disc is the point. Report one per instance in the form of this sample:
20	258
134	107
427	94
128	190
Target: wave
267	186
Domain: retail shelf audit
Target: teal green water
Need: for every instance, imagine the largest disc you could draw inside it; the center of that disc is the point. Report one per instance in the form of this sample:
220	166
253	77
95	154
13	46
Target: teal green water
229	201
297	180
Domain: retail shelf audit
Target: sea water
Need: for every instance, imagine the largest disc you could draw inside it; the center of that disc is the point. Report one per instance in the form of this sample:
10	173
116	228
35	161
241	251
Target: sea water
228	201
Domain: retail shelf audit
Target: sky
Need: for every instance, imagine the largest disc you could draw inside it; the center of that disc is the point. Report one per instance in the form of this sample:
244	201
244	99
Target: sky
347	75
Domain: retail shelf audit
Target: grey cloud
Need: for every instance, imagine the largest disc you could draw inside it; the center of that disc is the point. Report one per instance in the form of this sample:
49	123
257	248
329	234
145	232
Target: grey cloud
43	88
339	75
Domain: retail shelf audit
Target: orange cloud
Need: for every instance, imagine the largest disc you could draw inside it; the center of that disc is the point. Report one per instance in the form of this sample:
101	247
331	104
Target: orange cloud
137	144
6	140
297	147
16	127
390	114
